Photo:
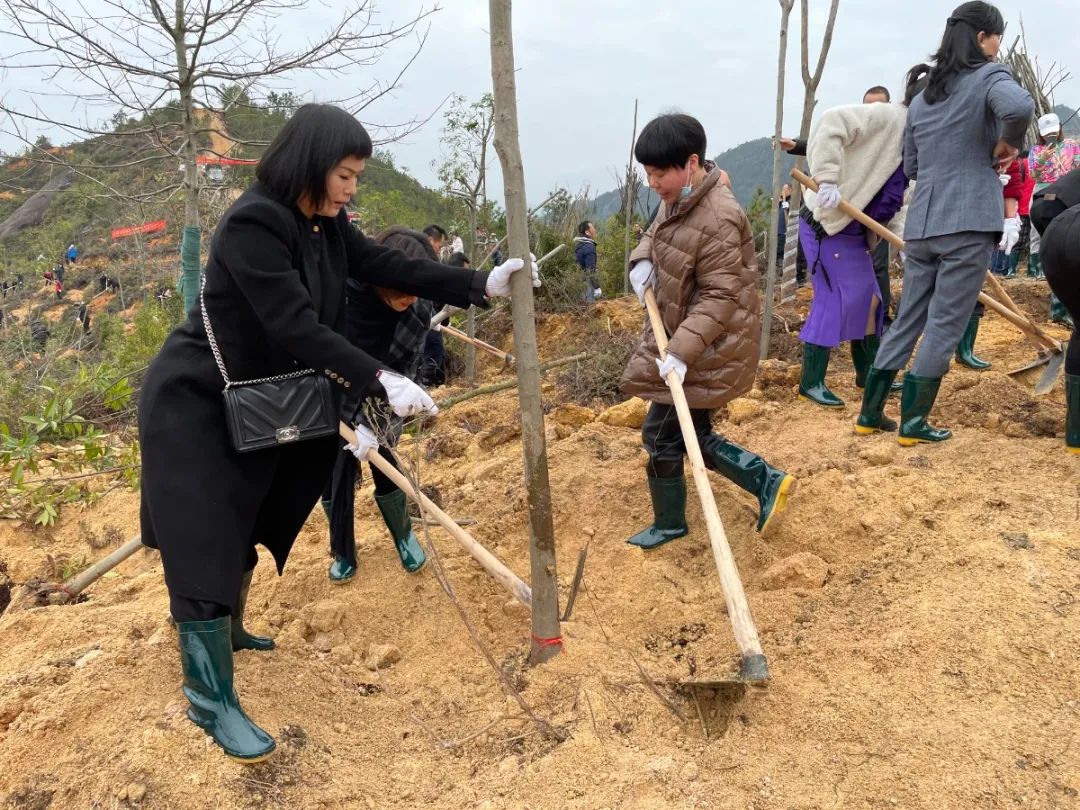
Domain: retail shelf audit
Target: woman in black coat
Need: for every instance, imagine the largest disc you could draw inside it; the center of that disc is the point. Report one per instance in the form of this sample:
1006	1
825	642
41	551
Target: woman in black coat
275	297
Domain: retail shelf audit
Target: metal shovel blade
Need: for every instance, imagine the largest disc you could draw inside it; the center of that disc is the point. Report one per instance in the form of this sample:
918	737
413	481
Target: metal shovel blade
1049	377
1041	360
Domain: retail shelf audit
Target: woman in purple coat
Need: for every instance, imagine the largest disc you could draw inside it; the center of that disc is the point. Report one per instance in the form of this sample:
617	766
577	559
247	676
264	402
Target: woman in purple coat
855	153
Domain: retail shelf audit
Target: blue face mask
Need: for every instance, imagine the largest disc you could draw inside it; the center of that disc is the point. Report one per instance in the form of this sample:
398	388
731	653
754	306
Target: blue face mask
684	192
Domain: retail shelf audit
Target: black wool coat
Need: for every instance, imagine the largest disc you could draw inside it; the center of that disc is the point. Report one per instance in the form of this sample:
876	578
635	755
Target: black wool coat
275	295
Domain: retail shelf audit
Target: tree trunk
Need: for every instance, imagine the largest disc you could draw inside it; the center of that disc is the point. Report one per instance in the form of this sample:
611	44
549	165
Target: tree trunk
629	202
470	322
774	214
546	634
190	245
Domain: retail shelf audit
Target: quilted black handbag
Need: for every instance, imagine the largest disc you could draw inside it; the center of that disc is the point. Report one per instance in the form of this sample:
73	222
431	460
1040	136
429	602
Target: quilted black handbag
277	410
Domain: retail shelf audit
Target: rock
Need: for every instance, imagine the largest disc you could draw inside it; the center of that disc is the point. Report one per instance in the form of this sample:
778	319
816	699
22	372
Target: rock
572	415
380	656
879	453
561	432
326	615
514	608
342	654
628	414
499	434
802	570
660	764
86	658
322	642
743	409
474	452
689	773
158	636
136	792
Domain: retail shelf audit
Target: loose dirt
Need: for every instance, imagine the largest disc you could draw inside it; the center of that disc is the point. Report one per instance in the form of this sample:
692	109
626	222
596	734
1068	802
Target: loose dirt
934	668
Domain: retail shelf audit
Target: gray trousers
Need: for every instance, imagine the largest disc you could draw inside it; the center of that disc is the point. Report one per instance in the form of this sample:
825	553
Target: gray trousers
942	279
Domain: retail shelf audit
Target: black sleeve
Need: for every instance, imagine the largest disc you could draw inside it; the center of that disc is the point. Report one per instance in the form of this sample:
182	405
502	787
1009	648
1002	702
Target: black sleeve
799	149
386	267
253	247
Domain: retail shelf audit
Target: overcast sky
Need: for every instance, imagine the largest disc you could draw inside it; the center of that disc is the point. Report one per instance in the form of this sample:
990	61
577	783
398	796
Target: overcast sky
581	64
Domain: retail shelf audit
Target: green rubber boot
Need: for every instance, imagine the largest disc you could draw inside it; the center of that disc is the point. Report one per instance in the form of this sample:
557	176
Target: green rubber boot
206	659
752	473
863	353
669	513
872	418
341	571
241	638
916	402
395	512
1014	263
1072	413
965	349
1034	267
1058	313
812	386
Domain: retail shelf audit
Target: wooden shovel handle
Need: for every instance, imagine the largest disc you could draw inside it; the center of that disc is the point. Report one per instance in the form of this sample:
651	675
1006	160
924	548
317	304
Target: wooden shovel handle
742	623
487	347
1014	316
491	564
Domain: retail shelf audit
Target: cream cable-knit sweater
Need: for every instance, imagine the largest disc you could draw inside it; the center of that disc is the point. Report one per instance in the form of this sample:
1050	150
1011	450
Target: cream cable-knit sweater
857	147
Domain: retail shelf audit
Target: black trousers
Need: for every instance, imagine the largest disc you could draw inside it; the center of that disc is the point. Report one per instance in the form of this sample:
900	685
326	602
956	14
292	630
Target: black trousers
881	271
184	609
1065	284
341	490
663	438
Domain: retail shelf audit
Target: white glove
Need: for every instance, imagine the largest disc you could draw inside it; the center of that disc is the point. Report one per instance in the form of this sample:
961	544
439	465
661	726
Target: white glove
641	276
365	440
598	293
669	364
1004	178
405	397
1010	235
828	195
498	283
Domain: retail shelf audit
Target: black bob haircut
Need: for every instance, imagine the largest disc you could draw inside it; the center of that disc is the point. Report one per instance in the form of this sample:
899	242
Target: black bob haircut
583	226
435	231
458	259
315	140
878	90
413	244
669	140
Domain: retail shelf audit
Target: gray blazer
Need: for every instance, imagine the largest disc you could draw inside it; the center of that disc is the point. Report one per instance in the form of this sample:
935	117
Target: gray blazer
949	147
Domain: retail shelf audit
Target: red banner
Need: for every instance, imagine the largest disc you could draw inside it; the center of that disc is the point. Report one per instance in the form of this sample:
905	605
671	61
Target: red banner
146	227
214	160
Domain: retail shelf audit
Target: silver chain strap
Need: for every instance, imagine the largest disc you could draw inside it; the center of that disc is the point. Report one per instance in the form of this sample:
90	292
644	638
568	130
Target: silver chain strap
221	361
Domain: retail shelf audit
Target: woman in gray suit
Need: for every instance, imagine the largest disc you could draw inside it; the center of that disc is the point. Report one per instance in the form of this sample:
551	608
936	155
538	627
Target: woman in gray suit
962	130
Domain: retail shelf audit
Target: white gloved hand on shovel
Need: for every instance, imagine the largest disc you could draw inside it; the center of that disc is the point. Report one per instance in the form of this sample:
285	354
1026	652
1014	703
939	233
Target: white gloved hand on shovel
828	195
405	397
641	276
669	364
365	440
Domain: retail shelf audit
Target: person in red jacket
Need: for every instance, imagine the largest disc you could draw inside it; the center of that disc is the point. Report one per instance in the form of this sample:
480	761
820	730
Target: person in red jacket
1018	193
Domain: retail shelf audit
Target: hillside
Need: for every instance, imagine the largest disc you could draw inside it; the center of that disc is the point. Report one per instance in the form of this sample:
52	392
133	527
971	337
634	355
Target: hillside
921	660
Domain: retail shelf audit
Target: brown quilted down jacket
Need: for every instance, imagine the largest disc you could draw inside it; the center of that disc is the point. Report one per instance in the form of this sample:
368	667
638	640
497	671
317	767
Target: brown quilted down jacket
706	270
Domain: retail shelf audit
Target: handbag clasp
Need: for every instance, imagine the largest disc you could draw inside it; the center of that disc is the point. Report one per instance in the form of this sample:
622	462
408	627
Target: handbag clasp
289	433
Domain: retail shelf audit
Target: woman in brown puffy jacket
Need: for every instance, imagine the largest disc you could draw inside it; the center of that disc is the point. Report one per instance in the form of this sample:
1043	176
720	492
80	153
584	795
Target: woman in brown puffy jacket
699	257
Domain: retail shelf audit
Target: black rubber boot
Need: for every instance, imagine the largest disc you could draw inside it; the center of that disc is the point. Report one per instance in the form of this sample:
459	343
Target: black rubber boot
206	658
812	386
872	418
1072	413
395	512
965	349
863	354
669	513
752	473
916	402
241	638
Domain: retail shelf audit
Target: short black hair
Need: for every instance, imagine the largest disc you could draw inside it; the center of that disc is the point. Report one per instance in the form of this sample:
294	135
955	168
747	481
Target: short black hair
313	141
435	231
583	226
670	140
413	244
458	259
878	90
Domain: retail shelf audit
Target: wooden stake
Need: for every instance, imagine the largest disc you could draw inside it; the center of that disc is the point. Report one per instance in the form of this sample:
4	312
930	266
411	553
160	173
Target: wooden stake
489	561
754	666
629	207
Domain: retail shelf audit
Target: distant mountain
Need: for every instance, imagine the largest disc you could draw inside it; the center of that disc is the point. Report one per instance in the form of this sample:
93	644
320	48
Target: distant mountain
749	164
1070	120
